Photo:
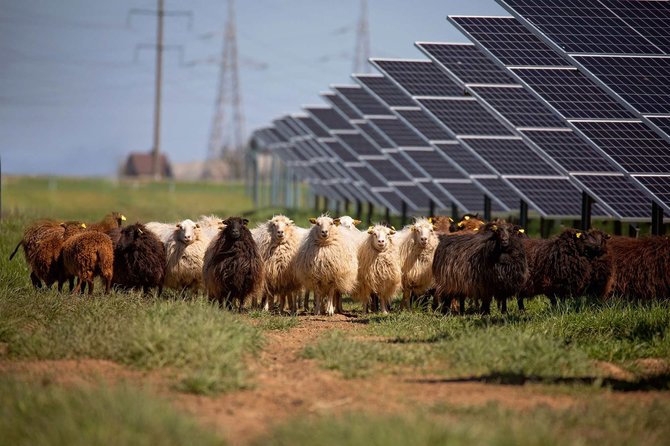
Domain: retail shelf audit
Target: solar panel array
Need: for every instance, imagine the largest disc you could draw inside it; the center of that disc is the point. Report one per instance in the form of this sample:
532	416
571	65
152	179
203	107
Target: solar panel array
565	98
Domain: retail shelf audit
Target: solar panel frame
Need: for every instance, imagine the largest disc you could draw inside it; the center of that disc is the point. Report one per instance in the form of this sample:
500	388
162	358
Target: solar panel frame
384	89
464	116
420	77
337	101
366	105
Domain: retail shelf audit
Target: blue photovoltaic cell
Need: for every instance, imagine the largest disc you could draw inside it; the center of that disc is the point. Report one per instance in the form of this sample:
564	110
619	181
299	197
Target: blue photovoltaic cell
469	64
662	122
341	104
570	151
510	41
643	82
388	170
556	194
284	128
511	157
363	101
464	158
398	132
329	118
341	152
437	191
385	89
582	26
359	144
436	166
658	185
502	191
465	117
418	197
313	127
574	95
377	137
411	168
426	125
368	176
472	196
632	144
393	198
420	78
620	193
519	107
651	19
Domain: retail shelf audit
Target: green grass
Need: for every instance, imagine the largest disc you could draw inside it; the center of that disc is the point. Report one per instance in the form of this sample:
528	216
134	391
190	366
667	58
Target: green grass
45	414
268	321
551	345
595	423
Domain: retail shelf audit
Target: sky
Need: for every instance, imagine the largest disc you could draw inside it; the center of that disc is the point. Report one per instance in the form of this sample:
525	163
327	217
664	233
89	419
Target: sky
76	96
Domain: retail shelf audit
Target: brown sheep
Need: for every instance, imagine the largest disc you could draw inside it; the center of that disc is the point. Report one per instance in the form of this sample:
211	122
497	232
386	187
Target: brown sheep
109	221
232	268
86	255
640	268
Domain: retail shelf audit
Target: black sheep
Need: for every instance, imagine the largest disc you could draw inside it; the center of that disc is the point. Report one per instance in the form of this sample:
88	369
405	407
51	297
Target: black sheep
484	264
139	258
232	268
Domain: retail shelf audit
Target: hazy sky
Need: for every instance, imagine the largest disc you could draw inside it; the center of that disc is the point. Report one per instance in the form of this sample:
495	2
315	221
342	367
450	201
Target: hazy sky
73	101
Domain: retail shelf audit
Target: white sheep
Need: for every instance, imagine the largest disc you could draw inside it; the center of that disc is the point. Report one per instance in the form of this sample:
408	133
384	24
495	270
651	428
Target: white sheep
210	225
378	267
326	262
185	250
162	230
278	241
416	246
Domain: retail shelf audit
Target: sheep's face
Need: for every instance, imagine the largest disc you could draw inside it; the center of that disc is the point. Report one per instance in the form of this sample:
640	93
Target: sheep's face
73	228
443	223
324	226
380	236
348	222
501	231
593	242
130	234
234	226
422	230
279	227
188	231
119	218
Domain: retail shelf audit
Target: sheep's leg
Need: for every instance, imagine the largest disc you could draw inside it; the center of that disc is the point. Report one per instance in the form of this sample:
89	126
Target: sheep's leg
306	301
519	302
77	288
406	303
317	303
375	302
486	305
338	303
552	300
330	303
384	305
108	285
281	304
37	283
293	307
90	286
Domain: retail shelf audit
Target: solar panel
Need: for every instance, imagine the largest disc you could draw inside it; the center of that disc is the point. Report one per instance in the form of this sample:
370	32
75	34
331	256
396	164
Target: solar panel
385	89
419	78
415	195
631	144
509	41
433	163
364	102
501	190
369	176
519	107
407	164
329	118
313	127
662	122
464	158
382	141
472	197
556	194
340	103
392	198
643	82
574	95
651	19
427	126
465	116
581	26
467	63
343	153
658	185
569	150
619	193
511	157
398	132
359	144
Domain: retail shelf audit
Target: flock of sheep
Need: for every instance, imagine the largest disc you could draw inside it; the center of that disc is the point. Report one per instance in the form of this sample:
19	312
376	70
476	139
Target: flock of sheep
278	262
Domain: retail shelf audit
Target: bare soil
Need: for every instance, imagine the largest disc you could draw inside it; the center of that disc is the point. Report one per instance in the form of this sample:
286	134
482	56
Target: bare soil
287	386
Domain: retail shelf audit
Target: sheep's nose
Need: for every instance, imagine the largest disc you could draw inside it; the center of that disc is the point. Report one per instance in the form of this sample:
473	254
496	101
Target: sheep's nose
280	233
324	233
424	239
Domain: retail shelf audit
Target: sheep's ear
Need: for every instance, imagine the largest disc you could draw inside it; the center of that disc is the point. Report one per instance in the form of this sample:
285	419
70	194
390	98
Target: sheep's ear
123	217
393	231
197	225
357	222
476	229
62	225
460	224
494	227
336	221
370	229
178	225
607	236
245	221
467	217
312	220
430	219
83	225
578	234
451	220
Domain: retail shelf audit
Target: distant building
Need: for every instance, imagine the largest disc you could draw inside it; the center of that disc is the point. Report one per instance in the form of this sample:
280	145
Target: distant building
140	165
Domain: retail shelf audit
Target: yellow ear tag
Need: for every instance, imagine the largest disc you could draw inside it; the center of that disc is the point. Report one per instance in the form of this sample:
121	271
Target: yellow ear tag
467	217
494	227
522	230
83	225
578	235
370	230
451	220
123	218
430	220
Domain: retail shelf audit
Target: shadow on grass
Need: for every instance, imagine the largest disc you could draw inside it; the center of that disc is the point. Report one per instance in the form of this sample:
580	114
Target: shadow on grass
656	382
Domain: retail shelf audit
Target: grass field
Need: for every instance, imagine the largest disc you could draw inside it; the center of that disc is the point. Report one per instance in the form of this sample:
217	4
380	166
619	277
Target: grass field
189	373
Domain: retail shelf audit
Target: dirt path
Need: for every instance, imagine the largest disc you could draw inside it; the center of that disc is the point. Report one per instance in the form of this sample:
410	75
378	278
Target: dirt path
288	386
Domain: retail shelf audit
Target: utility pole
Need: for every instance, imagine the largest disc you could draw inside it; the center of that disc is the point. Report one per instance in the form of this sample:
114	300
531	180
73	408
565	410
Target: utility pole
228	95
362	53
159	47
